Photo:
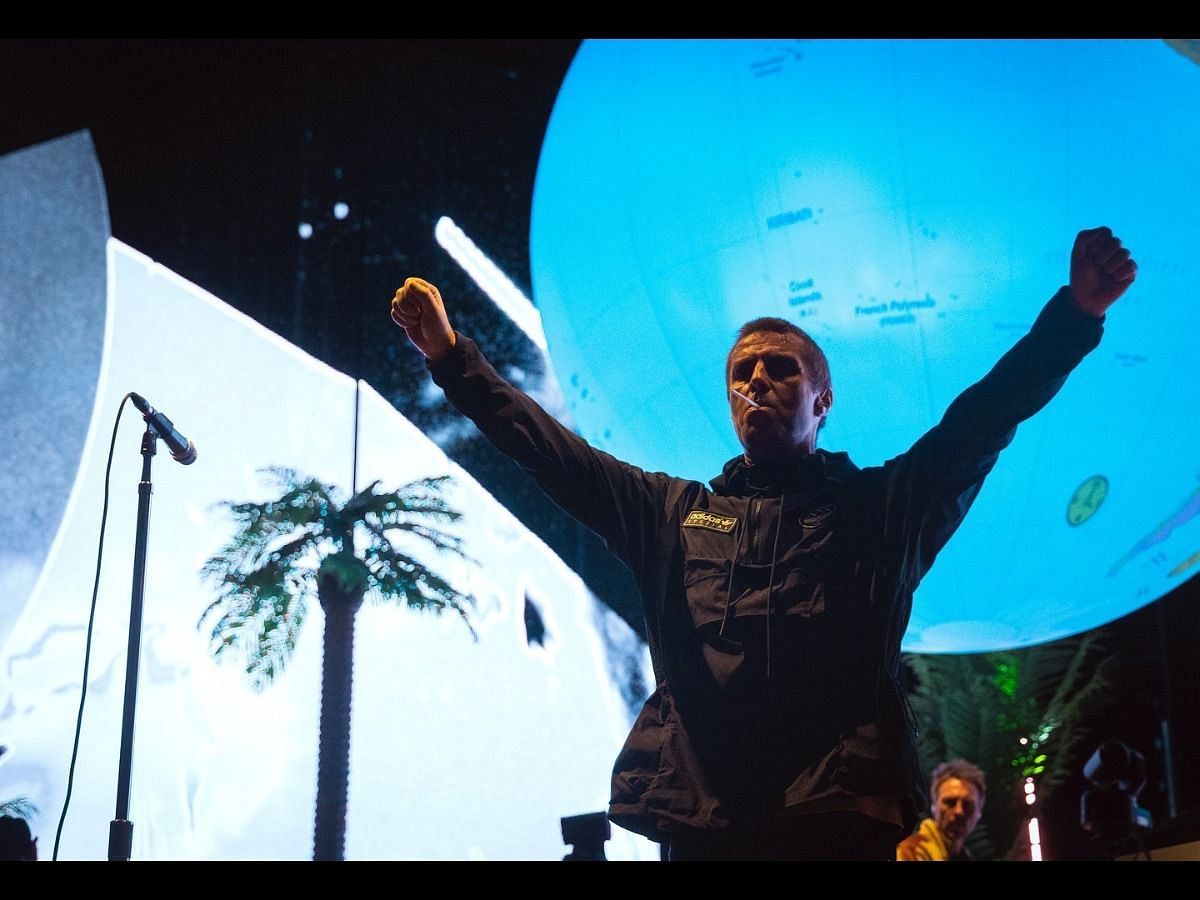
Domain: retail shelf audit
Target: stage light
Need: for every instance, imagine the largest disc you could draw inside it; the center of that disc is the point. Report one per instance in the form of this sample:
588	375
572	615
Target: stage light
586	835
1109	809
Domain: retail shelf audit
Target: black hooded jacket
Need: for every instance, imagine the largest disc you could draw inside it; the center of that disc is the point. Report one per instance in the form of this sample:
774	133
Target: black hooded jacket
776	597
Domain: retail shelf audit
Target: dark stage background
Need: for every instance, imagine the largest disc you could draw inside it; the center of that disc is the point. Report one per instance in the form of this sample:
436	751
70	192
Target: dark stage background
215	152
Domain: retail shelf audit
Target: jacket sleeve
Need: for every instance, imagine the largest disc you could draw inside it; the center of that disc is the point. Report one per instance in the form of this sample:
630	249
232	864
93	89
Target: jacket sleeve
931	487
622	503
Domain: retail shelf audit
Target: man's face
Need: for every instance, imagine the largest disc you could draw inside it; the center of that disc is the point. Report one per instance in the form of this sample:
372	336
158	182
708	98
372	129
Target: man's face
770	369
957	808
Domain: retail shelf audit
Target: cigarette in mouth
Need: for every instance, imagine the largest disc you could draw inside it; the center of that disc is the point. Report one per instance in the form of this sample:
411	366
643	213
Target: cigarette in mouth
744	397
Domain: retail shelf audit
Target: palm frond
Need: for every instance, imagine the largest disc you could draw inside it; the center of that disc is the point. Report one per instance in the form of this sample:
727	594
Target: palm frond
441	540
257	617
19	808
396	576
421	498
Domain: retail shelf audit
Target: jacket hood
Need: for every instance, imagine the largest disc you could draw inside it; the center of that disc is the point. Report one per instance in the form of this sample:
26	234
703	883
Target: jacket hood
740	478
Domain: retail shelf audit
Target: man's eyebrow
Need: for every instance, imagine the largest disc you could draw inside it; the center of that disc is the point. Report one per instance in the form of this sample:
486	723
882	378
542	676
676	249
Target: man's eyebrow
771	356
774	352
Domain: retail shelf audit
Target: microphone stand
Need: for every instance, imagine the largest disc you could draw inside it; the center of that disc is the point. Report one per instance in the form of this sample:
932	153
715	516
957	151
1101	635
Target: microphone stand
120	830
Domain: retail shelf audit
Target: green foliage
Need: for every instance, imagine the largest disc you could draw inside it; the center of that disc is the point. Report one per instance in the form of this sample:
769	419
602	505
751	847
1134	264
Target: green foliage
980	706
266	576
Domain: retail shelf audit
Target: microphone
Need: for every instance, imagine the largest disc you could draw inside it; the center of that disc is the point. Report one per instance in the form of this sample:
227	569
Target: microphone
182	450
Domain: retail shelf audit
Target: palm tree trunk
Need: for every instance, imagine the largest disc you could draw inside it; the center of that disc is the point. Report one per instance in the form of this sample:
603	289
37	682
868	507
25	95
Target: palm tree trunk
333	754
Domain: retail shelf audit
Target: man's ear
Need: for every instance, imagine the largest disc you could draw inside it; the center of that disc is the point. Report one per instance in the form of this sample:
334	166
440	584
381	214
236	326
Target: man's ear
824	402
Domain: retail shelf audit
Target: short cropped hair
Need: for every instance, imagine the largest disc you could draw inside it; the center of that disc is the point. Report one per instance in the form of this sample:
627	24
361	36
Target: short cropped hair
963	771
816	365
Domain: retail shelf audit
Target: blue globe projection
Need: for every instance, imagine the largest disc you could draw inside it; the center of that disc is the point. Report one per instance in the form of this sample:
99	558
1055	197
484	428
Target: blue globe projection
912	204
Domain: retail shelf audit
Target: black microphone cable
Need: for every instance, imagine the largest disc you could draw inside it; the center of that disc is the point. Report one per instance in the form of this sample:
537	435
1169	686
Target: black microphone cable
87	654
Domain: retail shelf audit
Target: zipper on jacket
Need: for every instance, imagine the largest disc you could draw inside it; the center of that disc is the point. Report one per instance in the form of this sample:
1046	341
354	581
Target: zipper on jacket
741	534
755	509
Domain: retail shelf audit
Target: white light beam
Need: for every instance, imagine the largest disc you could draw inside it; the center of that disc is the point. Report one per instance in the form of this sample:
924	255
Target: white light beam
491	280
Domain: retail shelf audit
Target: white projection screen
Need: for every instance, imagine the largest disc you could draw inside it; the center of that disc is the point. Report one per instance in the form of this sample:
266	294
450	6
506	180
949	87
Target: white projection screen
460	748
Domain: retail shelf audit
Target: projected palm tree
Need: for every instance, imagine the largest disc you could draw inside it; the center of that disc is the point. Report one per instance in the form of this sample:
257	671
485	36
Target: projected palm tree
311	543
